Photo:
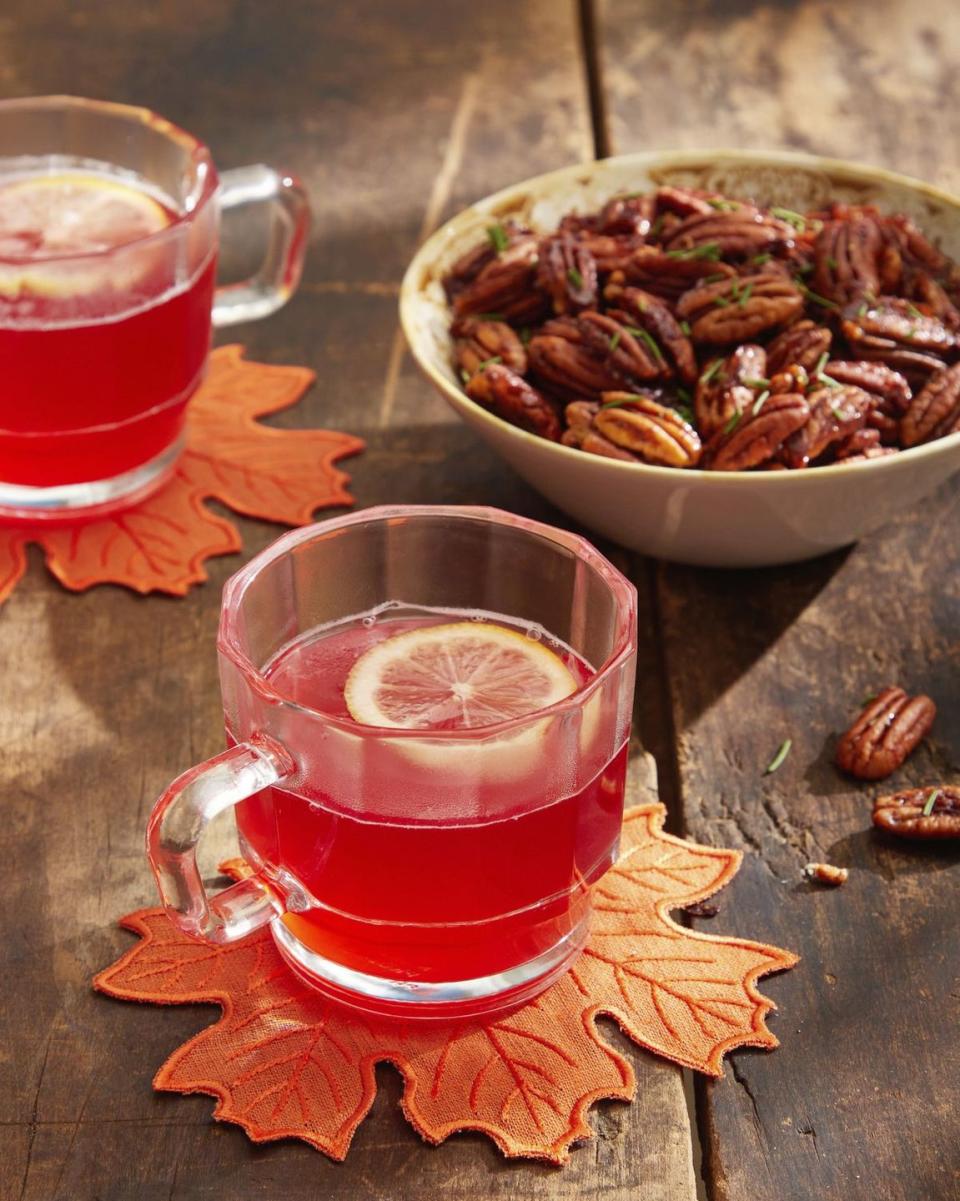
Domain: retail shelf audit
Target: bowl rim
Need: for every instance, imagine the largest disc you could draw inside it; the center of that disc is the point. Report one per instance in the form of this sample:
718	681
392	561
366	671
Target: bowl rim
436	242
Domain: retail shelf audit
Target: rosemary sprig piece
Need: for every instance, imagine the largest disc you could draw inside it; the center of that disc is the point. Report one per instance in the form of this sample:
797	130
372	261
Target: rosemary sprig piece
777	761
499	238
930	802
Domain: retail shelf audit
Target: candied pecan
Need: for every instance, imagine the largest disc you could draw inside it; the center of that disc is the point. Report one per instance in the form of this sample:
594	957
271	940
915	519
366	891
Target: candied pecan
896	332
884	734
505	286
509	396
803	344
725	390
794	379
889	389
652	431
627	214
580	433
579	415
469	265
920	812
835	414
477	343
568	367
652	315
611	252
740	233
627	352
827	873
567	272
737	310
757	434
857	444
847	258
916	250
933	296
935	410
685	201
669	277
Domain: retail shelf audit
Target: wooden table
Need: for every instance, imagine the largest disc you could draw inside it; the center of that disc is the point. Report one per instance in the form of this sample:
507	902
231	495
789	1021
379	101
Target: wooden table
398	112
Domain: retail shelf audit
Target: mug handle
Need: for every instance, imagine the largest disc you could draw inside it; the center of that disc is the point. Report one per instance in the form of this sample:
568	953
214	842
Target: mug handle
278	275
176	826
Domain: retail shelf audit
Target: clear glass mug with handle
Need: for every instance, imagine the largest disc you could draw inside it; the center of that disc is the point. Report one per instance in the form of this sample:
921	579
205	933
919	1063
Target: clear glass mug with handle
109	236
421	871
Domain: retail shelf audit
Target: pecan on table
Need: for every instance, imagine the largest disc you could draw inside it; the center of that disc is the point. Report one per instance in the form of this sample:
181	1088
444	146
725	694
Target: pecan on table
509	396
803	345
848	258
727	388
755	436
567	366
477	343
935	410
627	351
835	414
890	391
505	286
738	310
827	873
567	272
670	277
738	233
653	321
889	728
654	432
920	812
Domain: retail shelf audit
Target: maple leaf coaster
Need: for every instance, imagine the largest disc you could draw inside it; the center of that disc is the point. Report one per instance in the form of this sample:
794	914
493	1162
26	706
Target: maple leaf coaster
283	1061
159	544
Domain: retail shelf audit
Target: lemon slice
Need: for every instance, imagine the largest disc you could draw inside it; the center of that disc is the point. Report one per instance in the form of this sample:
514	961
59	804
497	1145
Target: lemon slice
454	677
74	213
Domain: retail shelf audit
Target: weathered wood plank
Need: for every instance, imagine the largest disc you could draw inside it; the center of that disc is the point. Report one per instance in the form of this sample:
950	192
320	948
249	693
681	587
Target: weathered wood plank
858	1102
395	114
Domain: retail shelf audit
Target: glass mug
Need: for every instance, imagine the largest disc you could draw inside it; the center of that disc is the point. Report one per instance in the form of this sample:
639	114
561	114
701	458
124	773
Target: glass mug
102	349
414	871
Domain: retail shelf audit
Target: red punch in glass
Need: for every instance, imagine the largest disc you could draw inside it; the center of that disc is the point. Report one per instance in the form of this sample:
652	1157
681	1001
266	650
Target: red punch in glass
427	712
109	229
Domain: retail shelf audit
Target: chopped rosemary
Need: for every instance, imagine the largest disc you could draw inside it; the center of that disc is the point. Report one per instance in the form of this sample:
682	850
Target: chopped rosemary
760	401
757	383
815	296
832	262
574	276
732	423
804	268
930	802
615	339
797	220
495	358
490	316
645	337
525	335
684	394
745	295
711	371
656	227
709	250
685	328
685	413
840	416
758	260
914	311
777	760
713	279
499	238
465	375
861	311
629	398
821	362
723	206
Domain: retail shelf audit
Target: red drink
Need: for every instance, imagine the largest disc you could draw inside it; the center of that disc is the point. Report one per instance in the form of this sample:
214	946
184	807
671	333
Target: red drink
470	888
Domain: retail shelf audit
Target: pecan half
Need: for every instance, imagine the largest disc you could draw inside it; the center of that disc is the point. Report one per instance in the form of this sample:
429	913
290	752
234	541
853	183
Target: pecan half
627	214
847	258
627	351
857	444
933	296
469	265
477	343
885	733
935	410
738	233
726	390
611	252
505	286
569	367
889	389
651	316
668	277
738	310
802	345
580	433
758	433
652	431
567	272
896	332
509	396
835	414
685	201
920	812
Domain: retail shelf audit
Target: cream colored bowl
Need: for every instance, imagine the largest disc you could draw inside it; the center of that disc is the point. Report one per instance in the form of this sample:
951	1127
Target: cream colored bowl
719	519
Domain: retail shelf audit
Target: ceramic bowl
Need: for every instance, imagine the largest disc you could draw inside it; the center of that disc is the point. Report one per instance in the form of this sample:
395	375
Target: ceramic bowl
719	519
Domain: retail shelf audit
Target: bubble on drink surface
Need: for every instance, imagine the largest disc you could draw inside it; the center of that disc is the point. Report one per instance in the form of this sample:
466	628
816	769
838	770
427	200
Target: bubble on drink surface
535	633
369	621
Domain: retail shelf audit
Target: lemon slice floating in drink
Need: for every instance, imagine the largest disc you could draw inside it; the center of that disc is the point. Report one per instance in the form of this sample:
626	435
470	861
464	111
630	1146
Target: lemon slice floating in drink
460	676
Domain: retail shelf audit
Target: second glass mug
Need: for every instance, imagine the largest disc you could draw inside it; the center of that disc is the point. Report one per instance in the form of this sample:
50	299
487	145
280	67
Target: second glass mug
103	349
407	871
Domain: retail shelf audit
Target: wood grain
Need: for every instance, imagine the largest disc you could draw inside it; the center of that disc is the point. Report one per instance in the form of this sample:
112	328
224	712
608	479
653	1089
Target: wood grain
859	1102
395	113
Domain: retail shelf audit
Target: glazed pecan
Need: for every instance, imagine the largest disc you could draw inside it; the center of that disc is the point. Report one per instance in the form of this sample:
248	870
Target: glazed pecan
685	201
737	310
567	272
739	234
933	296
652	431
935	410
568	367
894	331
803	344
477	343
916	250
848	255
505	286
670	277
756	435
920	812
728	388
858	444
884	734
509	396
611	252
469	265
653	321
889	389
580	432
627	214
835	414
627	351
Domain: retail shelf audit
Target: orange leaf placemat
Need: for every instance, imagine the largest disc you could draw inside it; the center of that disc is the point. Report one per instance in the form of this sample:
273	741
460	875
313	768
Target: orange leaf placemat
159	544
284	1062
